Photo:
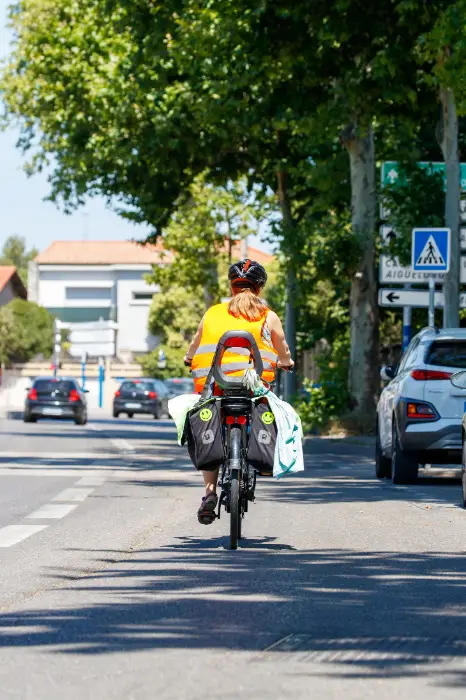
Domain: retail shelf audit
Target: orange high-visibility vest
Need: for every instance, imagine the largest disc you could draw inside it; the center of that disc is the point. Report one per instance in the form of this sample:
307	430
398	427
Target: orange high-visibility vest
235	361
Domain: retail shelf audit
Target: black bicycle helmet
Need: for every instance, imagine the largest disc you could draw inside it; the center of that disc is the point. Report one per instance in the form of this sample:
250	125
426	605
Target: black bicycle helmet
247	271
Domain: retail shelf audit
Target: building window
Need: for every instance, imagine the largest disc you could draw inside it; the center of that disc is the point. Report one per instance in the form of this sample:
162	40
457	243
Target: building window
143	296
83	293
80	315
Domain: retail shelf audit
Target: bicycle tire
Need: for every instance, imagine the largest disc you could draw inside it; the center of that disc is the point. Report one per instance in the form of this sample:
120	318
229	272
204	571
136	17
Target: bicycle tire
235	475
234	509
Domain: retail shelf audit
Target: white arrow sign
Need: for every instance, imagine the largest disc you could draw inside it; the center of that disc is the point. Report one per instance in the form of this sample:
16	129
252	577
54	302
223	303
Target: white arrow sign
412	297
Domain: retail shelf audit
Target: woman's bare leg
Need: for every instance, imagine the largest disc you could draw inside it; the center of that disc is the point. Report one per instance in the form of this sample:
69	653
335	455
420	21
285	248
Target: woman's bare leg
210	481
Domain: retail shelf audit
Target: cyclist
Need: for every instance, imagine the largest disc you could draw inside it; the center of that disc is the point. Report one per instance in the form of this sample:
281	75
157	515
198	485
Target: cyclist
245	311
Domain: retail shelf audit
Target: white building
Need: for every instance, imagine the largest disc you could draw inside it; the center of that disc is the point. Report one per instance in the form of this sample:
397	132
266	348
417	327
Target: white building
84	282
99	288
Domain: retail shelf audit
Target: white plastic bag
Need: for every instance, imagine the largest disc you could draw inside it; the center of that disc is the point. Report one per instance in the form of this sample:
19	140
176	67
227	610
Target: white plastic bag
289	446
178	408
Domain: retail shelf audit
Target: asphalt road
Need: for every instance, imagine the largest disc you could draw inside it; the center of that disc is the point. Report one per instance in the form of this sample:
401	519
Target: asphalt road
110	589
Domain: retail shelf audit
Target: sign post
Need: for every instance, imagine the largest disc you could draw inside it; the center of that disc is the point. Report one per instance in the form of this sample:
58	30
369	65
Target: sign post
56	345
83	369
431	253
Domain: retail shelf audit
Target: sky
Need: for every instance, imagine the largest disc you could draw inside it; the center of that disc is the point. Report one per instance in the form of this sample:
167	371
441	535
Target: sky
24	211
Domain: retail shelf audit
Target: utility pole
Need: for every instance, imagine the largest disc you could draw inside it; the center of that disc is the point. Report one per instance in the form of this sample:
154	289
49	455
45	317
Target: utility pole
451	317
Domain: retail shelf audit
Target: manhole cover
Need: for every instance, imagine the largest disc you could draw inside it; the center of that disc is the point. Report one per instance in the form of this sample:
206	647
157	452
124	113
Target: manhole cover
369	650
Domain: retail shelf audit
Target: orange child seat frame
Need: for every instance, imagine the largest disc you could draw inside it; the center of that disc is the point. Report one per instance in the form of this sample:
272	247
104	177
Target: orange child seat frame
218	321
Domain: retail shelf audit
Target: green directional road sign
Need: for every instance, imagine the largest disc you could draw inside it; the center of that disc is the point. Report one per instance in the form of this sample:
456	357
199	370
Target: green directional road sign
390	171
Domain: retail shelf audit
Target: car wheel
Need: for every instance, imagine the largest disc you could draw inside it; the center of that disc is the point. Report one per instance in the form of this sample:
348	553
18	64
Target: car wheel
130	415
404	465
27	418
383	465
115	414
81	419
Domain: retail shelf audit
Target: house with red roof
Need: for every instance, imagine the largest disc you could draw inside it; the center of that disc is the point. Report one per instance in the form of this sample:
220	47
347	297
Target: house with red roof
11	285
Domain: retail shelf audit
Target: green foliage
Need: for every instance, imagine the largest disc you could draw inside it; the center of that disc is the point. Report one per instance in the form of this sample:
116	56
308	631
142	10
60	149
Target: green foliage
174	367
26	331
416	199
175	314
326	400
15	253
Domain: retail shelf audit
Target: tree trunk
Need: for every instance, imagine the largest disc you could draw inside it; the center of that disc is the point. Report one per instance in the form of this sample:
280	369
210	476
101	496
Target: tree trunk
449	144
364	317
290	311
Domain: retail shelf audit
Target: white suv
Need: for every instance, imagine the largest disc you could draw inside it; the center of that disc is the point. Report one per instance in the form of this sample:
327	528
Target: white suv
420	412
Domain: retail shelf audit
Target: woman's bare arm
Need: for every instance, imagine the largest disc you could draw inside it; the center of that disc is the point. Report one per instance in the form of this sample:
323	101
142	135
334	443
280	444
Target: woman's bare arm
191	351
279	340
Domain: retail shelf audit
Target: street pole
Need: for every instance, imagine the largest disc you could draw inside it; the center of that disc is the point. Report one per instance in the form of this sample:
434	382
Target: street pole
83	370
431	301
289	384
451	289
406	326
56	345
101	382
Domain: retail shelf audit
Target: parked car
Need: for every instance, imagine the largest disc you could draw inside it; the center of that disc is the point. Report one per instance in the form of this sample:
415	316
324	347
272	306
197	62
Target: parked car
179	385
420	412
55	397
458	380
145	396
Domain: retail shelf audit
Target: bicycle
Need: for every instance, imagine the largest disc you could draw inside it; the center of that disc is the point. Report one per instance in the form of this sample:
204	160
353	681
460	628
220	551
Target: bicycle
237	478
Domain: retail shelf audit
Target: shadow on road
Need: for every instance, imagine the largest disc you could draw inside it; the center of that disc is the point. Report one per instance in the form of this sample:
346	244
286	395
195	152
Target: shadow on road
382	614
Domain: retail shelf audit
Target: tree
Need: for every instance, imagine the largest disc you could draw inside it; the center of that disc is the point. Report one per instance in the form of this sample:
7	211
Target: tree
15	253
135	101
443	48
26	331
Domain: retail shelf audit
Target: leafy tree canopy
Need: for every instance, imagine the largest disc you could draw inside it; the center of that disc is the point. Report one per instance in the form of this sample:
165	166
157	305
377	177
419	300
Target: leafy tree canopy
26	331
15	253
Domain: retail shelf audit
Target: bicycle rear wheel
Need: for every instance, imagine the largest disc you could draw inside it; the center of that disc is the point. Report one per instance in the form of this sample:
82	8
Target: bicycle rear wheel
235	478
235	515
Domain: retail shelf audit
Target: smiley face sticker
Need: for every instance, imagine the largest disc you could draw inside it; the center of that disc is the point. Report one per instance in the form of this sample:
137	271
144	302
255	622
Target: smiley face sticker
205	414
268	417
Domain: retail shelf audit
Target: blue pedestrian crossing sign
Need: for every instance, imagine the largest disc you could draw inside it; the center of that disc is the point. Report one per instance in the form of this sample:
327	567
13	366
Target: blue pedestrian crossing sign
431	250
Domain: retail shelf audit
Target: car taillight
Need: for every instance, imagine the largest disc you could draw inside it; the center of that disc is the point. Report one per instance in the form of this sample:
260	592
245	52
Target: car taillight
427	375
117	393
152	394
32	395
420	411
74	396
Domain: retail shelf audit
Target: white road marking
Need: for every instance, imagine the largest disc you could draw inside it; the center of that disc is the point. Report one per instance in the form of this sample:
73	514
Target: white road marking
52	511
91	481
38	471
73	494
12	534
47	456
122	445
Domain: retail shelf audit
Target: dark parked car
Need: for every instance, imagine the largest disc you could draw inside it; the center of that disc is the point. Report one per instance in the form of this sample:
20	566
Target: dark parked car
179	385
147	396
55	397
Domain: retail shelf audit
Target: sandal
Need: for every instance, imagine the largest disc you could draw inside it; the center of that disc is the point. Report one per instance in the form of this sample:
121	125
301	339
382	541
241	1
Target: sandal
206	513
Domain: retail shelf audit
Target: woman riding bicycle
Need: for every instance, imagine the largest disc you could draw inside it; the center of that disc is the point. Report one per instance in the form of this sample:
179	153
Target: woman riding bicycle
246	311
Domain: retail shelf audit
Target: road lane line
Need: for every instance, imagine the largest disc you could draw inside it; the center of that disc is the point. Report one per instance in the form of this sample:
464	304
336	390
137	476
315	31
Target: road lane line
52	511
12	534
73	494
91	481
37	471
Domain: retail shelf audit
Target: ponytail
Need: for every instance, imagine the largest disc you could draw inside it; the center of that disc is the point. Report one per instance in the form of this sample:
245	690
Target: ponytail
247	305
